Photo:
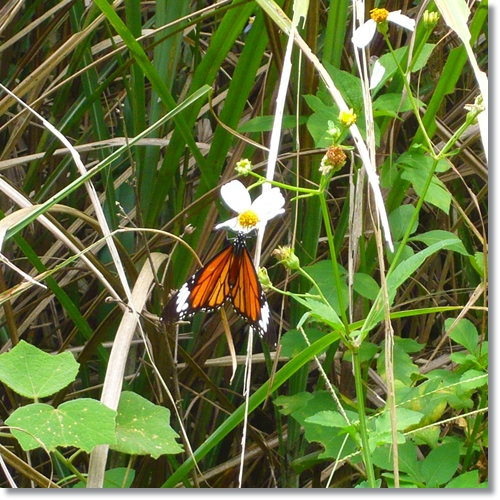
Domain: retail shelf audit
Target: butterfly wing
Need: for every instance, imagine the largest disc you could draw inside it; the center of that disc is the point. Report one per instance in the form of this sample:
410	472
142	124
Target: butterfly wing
247	295
229	275
205	291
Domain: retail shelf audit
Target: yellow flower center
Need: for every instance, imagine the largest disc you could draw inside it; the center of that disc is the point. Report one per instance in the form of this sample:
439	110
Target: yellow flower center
379	15
347	118
248	219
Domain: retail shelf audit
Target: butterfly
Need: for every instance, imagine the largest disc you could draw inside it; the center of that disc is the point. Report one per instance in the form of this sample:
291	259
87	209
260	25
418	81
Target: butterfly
230	275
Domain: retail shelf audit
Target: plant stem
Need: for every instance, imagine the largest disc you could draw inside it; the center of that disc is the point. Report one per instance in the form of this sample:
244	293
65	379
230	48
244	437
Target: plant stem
365	447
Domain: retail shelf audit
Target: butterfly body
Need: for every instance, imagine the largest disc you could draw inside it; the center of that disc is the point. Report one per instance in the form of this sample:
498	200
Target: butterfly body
229	276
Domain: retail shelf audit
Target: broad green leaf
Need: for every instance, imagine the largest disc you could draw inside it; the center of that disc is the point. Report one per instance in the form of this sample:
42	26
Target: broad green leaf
390	104
423	162
439	466
408	345
82	423
435	236
366	286
464	333
437	194
143	428
293	342
404	418
382	457
121	477
322	274
348	85
335	441
35	374
399	220
291	404
417	168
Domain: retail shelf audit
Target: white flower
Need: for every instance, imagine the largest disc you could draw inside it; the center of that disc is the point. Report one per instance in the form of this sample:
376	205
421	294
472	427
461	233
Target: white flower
365	33
250	215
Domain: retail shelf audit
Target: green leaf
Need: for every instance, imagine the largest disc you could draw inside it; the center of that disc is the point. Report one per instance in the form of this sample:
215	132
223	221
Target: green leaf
406	268
435	236
121	477
399	220
439	466
382	457
466	480
303	406
322	274
472	379
437	194
324	313
422	57
404	368
83	423
35	374
417	168
292	343
464	333
329	419
382	431
265	123
142	428
366	286
477	261
390	105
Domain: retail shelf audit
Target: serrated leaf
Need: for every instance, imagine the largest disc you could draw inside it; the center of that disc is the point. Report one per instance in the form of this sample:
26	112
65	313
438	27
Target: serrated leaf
121	477
143	428
35	374
329	419
83	423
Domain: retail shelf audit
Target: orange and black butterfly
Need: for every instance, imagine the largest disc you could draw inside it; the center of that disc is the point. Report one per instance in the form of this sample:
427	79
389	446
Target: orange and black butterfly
230	275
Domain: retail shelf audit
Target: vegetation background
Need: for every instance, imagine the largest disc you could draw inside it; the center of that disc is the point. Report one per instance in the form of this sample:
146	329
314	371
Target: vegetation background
161	99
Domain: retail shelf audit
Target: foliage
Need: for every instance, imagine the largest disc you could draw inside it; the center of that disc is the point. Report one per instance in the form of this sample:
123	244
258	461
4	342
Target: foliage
384	351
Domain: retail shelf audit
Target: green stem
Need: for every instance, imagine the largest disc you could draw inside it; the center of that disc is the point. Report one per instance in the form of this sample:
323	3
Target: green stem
365	446
333	253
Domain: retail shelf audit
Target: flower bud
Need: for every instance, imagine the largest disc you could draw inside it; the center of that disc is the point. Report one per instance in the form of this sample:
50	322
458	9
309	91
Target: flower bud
286	256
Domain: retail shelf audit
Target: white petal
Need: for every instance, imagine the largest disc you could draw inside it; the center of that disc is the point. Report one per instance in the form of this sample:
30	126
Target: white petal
401	19
236	196
378	72
232	224
269	204
364	34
